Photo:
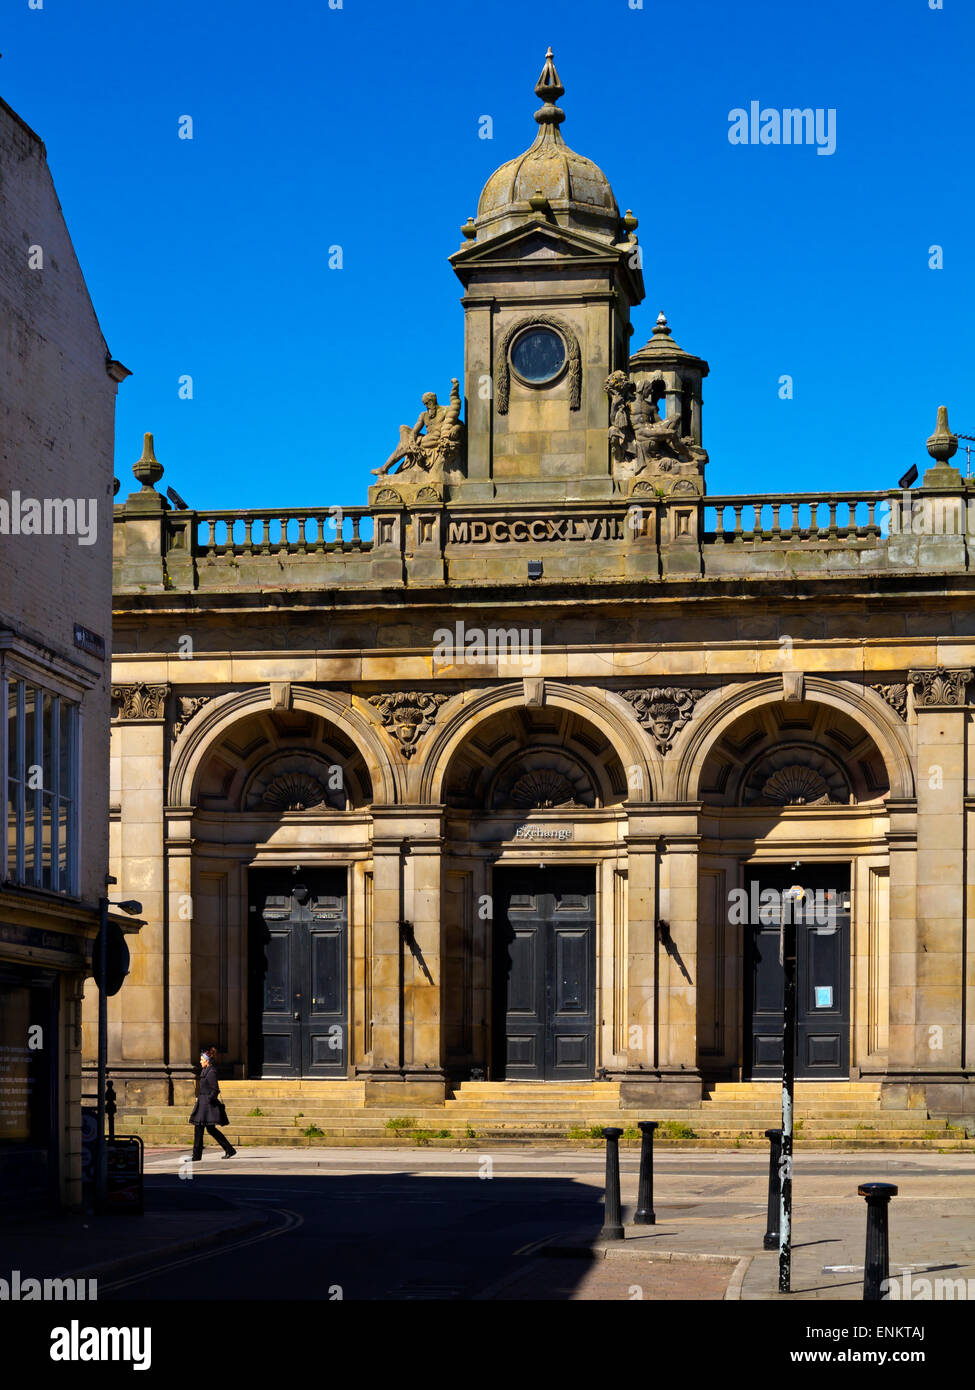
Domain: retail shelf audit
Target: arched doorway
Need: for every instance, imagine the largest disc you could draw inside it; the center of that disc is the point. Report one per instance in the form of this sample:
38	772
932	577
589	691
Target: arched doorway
535	817
795	819
281	841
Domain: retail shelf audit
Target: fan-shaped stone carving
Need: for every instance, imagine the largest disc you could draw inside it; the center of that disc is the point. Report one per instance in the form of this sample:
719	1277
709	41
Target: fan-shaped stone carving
294	791
540	789
796	786
796	776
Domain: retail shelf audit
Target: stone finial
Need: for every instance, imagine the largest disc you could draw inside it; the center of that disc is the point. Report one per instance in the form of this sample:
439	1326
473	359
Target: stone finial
661	328
942	444
630	223
469	230
549	88
148	470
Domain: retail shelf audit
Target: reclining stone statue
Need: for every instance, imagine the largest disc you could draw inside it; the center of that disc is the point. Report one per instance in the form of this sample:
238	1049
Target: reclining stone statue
440	445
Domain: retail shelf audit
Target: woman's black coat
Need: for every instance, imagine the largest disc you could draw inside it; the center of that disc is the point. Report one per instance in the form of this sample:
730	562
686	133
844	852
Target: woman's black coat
209	1108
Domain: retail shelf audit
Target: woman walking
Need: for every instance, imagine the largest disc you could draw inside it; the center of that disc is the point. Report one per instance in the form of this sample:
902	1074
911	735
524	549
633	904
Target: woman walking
209	1110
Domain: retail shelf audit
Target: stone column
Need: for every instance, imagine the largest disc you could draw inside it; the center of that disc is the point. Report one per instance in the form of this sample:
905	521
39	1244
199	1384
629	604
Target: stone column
940	708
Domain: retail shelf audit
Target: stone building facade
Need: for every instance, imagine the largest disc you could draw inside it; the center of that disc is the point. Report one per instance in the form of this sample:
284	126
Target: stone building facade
57	422
512	772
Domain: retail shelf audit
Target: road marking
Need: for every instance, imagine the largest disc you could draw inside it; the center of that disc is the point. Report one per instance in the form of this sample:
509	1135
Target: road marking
292	1220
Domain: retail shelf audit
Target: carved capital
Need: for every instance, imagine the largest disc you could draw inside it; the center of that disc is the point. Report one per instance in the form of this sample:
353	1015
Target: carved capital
895	696
663	711
939	686
408	714
140	701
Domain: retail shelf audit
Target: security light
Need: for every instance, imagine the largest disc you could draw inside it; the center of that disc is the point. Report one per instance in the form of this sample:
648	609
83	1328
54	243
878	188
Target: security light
909	477
534	569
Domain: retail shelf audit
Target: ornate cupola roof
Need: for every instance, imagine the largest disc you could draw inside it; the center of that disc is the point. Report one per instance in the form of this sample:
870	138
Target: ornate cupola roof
550	179
661	350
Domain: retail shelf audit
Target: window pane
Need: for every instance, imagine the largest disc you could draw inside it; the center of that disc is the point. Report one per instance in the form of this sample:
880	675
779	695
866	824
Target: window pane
13	838
66	762
65	847
13	746
47	811
48	750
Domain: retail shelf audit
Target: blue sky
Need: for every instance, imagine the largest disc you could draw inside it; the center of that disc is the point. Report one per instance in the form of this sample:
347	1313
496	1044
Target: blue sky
359	126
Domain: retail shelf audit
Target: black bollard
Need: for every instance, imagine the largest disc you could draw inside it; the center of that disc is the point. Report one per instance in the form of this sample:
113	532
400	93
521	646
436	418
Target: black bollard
876	1261
645	1215
771	1241
613	1215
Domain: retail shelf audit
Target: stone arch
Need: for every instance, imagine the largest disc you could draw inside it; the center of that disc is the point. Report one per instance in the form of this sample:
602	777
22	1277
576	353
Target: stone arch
208	725
865	707
606	711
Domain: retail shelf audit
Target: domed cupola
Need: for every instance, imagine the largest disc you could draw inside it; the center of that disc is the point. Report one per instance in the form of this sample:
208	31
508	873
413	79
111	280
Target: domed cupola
549	178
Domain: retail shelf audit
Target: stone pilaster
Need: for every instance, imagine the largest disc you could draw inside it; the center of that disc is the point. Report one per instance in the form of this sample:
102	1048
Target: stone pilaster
138	1046
183	1046
641	900
940	703
423	952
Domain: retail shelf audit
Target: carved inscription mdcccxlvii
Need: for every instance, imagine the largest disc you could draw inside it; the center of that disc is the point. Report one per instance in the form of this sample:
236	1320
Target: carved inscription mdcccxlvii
566	528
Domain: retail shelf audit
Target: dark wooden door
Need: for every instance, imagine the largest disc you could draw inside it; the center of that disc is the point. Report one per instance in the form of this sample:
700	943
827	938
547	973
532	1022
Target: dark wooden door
545	974
822	917
299	974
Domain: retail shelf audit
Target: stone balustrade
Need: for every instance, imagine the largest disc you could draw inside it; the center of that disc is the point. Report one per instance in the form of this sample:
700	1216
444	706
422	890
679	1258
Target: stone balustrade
797	518
273	531
615	540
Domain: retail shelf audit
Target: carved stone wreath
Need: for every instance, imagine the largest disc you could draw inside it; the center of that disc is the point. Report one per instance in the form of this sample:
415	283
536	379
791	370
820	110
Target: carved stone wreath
940	686
502	368
663	711
408	714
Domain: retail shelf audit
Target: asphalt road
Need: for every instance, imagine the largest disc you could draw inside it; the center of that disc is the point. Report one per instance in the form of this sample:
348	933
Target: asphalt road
435	1224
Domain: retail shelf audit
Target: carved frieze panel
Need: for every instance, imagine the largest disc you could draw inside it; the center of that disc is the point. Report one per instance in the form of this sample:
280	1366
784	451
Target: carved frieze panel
895	695
940	686
408	714
187	706
663	711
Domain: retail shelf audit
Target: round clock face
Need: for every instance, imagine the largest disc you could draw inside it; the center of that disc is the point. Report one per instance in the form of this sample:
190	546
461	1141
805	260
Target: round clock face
538	355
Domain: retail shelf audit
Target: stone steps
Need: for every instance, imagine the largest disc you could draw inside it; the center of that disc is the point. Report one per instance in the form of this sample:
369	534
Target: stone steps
843	1114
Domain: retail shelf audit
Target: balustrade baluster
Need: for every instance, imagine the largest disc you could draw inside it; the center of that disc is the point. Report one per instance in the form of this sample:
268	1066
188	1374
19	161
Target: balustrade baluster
212	540
356	538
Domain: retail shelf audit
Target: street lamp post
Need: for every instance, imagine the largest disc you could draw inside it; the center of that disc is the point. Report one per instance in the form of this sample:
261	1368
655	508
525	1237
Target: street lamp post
101	1148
